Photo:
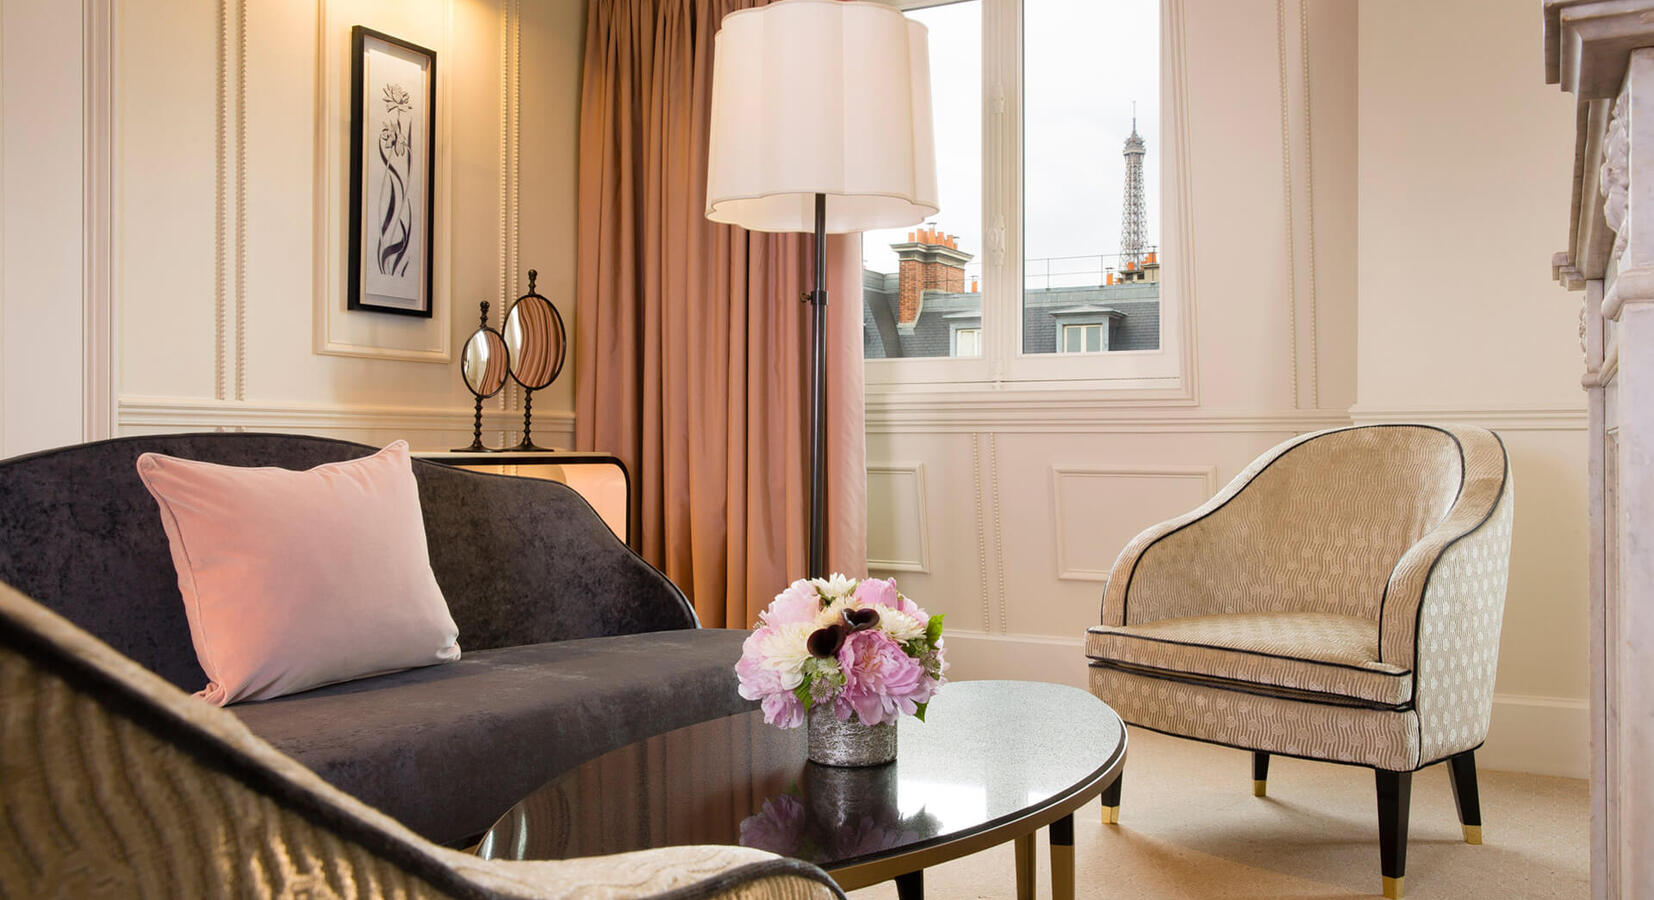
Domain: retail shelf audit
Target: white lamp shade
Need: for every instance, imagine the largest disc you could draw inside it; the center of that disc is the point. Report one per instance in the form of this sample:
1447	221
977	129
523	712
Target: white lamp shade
821	96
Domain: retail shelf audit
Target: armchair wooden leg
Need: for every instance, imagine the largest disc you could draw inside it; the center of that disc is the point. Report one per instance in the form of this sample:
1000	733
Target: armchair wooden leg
1111	801
1260	773
1395	794
1461	771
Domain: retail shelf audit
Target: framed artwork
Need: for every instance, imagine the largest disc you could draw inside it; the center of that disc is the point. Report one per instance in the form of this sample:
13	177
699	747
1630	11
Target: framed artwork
392	173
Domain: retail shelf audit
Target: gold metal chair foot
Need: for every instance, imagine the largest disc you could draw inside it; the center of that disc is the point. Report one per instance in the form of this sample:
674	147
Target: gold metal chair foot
1473	834
1111	815
1394	888
1260	788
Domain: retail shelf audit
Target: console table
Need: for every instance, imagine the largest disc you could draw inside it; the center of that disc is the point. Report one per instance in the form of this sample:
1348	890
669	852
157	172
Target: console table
1602	52
599	477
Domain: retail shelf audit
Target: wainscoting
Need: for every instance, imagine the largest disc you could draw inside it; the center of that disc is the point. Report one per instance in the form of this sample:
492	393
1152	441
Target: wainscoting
425	428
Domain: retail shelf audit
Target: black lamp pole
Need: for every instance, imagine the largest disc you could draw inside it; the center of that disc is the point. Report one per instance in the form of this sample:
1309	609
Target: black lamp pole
818	400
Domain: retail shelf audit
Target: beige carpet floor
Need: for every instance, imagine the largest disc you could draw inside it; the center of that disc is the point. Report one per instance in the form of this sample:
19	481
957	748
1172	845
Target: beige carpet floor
1190	828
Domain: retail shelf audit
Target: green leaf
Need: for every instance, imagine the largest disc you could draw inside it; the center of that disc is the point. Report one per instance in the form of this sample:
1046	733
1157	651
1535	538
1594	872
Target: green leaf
802	692
919	713
933	631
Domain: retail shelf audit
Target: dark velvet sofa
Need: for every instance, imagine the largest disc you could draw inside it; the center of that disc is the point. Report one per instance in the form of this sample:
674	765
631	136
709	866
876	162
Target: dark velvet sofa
572	644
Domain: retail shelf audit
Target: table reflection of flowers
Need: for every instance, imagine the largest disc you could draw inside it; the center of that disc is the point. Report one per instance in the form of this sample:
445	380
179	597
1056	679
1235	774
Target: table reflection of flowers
786	826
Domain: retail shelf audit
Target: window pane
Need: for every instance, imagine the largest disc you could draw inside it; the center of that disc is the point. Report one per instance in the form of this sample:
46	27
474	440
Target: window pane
918	282
1071	339
1094	339
1091	177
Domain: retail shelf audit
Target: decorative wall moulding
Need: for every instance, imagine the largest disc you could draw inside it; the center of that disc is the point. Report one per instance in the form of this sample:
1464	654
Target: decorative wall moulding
1206	477
1077	412
99	279
230	205
1506	418
338	330
510	237
911	494
1298	196
193	414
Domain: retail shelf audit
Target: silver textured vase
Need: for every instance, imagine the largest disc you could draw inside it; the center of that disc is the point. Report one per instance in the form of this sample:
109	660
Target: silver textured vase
847	742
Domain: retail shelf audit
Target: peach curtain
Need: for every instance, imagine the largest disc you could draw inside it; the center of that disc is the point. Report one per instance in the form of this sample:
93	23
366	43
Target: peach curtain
691	343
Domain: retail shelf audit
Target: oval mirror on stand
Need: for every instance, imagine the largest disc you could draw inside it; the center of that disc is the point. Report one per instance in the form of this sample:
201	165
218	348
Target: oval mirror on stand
535	344
484	366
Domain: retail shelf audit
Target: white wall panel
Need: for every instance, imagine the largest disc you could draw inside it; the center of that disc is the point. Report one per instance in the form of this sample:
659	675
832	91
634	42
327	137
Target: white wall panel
898	525
1095	510
41	233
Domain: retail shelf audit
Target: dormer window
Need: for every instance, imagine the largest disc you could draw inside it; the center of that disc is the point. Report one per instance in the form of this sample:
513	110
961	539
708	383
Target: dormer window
1085	337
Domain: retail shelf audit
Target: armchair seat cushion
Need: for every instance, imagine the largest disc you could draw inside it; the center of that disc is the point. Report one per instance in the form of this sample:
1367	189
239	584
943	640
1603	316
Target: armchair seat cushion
1316	656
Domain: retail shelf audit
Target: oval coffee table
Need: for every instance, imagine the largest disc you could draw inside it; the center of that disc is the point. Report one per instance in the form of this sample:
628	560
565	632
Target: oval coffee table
995	762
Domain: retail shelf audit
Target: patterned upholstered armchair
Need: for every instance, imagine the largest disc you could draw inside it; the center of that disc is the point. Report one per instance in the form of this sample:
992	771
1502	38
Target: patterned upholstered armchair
1340	600
117	784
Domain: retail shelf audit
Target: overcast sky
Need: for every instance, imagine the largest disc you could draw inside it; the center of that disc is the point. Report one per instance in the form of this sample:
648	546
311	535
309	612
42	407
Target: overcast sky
1085	62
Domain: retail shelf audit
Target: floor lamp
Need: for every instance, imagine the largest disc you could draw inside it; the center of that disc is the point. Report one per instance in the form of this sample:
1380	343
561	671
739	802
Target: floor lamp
820	122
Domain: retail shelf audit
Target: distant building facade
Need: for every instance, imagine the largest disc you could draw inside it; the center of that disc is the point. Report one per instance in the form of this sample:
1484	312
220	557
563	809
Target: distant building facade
926	309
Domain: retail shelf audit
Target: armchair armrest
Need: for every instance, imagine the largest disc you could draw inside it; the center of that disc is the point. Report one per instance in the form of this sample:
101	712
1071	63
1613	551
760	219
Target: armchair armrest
1458	565
1159	574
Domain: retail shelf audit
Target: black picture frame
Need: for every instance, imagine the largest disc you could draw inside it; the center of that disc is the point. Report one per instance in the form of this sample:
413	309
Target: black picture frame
400	219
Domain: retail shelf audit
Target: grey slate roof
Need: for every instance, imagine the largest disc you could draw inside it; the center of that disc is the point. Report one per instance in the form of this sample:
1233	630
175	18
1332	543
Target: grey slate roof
1133	311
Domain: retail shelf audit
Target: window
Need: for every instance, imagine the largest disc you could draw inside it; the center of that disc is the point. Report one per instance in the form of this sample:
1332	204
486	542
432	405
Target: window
1043	267
1090	338
915	280
1091	161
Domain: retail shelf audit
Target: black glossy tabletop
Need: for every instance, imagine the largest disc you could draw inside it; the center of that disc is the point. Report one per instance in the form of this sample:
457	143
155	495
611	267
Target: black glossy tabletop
990	752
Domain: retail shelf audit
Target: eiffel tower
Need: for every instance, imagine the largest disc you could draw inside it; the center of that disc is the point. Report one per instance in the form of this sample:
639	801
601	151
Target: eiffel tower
1133	215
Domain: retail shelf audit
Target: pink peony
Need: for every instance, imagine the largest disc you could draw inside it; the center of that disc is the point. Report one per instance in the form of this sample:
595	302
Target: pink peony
881	683
877	592
759	681
798	603
783	710
756	679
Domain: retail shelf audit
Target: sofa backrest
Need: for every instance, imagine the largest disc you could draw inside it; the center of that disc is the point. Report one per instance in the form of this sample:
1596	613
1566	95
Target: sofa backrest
520	560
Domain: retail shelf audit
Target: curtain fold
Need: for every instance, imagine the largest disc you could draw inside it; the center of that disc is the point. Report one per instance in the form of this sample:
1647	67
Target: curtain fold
691	345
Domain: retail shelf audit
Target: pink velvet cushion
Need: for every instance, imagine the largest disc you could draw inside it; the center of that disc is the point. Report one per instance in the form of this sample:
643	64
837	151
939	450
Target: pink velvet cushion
292	580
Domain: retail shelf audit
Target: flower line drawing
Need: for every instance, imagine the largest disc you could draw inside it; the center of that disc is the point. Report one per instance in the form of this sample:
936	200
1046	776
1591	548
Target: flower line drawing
396	159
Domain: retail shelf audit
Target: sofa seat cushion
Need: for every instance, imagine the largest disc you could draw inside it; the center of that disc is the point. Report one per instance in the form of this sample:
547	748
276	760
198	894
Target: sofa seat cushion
1305	655
448	749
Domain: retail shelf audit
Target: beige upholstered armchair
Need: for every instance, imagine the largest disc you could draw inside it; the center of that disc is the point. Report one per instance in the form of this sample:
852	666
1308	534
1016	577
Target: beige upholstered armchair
116	784
1340	600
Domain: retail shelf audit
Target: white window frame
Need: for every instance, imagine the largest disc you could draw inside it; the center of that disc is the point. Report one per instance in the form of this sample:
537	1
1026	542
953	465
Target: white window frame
1132	375
953	339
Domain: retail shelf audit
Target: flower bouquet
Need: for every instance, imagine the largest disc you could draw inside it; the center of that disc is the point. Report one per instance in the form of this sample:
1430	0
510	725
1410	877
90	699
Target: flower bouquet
850	657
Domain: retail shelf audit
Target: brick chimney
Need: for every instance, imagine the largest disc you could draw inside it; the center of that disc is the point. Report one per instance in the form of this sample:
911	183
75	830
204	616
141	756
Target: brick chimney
929	261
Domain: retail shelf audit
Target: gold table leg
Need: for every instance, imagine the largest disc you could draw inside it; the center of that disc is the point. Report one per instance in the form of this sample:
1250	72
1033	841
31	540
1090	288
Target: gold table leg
1025	867
1062	858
